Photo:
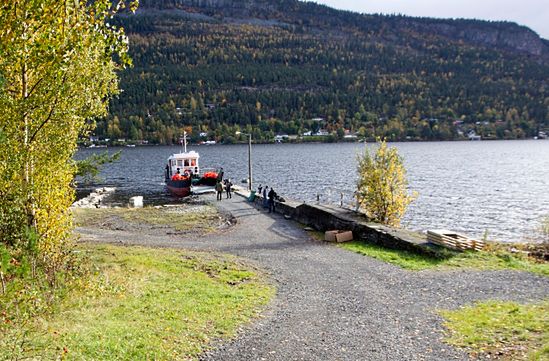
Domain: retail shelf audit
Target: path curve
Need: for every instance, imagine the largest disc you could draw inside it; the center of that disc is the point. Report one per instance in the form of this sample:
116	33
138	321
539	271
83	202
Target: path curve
333	304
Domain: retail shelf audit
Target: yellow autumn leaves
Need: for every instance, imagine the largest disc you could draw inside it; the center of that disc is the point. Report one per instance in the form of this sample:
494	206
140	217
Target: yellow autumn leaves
382	188
58	68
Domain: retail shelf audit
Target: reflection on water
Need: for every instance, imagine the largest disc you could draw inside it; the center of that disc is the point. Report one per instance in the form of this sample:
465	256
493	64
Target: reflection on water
500	187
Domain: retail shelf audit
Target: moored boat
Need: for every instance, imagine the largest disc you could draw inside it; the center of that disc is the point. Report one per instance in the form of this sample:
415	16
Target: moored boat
183	173
178	177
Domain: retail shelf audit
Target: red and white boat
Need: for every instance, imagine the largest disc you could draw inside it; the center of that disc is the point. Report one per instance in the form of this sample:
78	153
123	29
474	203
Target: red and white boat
183	174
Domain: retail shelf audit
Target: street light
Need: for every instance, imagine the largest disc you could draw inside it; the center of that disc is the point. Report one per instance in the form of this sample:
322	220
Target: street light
249	158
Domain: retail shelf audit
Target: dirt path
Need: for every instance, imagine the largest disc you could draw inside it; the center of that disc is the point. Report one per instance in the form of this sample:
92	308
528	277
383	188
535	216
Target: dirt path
333	304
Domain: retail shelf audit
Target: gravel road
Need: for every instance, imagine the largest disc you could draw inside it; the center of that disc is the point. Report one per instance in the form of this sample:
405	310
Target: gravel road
333	304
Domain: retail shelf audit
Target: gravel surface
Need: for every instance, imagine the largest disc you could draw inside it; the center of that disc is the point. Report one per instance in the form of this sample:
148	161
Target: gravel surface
333	304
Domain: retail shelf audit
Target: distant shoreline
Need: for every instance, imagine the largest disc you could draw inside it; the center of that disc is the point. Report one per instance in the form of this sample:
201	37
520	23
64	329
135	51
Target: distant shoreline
131	145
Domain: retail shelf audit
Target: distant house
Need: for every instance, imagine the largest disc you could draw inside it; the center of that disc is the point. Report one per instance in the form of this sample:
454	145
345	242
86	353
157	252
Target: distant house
308	134
281	137
203	134
349	135
322	132
472	135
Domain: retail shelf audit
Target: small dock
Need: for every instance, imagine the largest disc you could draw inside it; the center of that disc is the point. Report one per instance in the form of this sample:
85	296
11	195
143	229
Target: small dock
325	217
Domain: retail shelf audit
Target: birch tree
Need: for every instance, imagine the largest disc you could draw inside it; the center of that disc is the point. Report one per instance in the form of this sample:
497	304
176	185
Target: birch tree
58	64
382	187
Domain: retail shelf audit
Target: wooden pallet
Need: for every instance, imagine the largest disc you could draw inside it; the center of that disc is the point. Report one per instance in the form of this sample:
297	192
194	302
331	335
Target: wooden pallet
453	240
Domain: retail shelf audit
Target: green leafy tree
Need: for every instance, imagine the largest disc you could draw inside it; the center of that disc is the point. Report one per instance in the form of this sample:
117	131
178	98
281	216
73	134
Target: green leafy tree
58	63
88	169
382	188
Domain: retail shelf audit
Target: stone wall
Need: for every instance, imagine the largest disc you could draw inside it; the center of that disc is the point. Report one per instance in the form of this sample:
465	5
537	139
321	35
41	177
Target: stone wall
324	218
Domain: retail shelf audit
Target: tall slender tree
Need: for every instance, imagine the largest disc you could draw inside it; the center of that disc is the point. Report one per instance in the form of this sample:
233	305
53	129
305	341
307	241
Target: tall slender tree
58	63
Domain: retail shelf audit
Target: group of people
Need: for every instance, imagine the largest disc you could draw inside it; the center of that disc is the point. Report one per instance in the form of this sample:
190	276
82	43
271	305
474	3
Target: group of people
226	185
269	197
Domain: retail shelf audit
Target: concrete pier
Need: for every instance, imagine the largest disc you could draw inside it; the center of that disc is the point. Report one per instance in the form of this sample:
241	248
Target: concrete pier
325	217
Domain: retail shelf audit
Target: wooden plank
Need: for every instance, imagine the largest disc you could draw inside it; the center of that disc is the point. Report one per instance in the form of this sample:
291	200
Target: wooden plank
453	240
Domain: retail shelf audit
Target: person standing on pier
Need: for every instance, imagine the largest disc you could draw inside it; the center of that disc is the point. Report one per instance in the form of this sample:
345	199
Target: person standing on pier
220	175
228	188
272	196
219	190
265	202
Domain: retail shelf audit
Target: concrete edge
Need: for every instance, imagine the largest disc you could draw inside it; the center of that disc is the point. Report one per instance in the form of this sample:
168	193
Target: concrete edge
324	218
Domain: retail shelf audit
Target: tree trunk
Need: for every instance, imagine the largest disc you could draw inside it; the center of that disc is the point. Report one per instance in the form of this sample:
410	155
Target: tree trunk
27	180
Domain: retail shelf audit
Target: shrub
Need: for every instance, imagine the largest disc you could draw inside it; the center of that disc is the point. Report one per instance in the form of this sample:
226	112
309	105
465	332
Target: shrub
382	188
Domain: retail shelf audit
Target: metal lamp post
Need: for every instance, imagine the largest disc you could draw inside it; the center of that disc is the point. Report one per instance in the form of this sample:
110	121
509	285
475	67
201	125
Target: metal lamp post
250	162
249	159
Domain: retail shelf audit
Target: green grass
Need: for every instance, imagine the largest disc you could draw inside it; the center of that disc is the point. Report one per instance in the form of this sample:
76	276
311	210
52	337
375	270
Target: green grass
510	330
202	218
144	304
485	260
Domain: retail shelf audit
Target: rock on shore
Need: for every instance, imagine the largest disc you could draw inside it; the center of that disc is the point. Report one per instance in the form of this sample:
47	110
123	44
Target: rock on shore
94	199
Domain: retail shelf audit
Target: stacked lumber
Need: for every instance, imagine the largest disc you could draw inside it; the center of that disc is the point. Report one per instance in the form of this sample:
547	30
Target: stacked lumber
453	240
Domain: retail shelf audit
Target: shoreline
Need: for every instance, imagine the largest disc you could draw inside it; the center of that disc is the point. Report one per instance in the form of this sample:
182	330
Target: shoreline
468	188
398	238
369	141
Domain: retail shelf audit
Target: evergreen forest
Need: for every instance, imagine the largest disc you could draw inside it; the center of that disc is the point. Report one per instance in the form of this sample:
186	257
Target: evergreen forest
214	69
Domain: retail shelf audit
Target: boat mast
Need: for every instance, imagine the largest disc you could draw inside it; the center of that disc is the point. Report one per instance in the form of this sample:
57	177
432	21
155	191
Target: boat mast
184	143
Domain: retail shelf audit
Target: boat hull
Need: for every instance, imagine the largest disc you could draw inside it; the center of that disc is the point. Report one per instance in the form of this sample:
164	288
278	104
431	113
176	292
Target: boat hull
179	188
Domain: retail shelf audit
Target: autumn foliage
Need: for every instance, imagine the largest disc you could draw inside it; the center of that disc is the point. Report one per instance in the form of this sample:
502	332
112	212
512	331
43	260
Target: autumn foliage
58	63
382	188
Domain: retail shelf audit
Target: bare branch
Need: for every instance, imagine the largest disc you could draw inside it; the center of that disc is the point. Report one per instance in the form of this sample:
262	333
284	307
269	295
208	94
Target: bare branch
33	88
48	118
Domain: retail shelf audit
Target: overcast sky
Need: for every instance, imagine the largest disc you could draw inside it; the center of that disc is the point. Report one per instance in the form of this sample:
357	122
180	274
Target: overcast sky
532	13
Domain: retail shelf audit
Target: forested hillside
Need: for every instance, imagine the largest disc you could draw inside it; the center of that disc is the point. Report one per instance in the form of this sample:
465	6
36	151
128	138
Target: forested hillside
273	67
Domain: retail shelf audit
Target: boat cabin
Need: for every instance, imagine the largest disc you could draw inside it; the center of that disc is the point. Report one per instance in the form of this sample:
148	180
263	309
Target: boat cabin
186	162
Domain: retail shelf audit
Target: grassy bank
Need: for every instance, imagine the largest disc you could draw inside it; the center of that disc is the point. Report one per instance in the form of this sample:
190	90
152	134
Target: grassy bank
196	218
492	259
502	330
141	304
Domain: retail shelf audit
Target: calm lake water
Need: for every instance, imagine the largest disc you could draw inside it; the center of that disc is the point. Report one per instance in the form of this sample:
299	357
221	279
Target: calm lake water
499	187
